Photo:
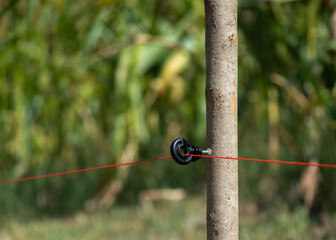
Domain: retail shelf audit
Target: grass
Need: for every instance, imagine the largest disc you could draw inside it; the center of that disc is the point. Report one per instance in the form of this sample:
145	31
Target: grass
166	220
163	220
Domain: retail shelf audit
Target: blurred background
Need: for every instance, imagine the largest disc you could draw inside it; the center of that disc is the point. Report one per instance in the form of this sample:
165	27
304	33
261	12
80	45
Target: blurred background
90	83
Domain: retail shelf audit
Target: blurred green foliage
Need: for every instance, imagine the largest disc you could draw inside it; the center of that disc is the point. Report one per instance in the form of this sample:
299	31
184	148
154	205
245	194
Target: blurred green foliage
89	83
164	220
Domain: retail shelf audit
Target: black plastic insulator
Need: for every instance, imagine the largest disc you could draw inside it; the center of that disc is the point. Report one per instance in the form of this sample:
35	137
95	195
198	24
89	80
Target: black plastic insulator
181	146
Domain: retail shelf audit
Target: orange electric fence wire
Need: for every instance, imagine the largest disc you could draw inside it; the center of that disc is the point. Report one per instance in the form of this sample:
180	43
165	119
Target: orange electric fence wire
80	170
269	161
155	159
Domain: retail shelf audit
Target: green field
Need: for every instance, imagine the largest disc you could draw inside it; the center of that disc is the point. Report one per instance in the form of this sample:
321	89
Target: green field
170	221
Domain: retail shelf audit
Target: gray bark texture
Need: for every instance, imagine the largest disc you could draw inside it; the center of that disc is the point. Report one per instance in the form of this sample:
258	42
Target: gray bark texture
221	104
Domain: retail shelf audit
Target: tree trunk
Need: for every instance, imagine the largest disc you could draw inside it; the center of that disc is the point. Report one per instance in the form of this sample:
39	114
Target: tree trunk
221	103
333	25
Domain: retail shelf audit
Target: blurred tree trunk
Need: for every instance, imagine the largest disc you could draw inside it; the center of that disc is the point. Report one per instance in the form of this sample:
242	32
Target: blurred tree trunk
107	196
308	185
333	25
221	101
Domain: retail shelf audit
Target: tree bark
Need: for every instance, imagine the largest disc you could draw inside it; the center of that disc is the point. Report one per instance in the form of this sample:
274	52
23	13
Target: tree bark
221	104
